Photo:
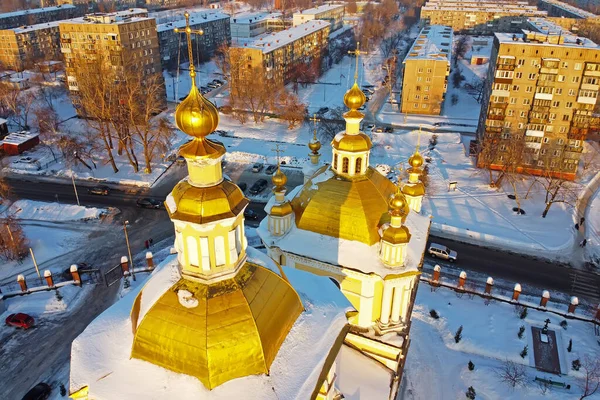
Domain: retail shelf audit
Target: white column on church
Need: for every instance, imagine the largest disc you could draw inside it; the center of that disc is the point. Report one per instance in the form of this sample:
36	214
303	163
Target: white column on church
386	303
397	304
406	296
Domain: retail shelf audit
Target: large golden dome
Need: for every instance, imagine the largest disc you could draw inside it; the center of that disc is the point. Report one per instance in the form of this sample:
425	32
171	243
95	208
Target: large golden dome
414	189
346	208
354	97
217	332
280	210
196	116
206	204
352	143
396	235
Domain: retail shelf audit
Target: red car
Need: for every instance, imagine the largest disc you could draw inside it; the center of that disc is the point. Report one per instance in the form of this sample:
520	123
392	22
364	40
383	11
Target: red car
20	320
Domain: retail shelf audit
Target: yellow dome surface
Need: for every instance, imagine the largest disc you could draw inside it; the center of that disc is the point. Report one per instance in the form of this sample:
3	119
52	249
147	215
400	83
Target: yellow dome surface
314	146
398	205
416	160
206	204
346	208
196	116
354	97
281	210
218	332
352	143
279	179
201	148
396	235
414	189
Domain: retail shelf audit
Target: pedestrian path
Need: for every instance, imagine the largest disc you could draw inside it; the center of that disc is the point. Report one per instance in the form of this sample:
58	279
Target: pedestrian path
585	284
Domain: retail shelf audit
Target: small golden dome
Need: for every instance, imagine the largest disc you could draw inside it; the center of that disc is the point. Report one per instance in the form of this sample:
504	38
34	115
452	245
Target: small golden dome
314	146
354	98
396	235
398	205
196	116
416	160
353	143
279	179
413	189
281	210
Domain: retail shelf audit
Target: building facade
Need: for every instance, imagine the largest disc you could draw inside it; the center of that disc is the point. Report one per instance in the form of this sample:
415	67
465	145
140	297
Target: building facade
479	16
426	70
557	8
173	47
249	25
38	16
540	94
274	56
21	47
334	13
124	38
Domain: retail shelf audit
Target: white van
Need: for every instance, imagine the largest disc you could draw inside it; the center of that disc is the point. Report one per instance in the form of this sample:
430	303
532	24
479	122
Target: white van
440	251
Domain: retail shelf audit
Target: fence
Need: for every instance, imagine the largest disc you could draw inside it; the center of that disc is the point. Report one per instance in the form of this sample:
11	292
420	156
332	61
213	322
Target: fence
113	275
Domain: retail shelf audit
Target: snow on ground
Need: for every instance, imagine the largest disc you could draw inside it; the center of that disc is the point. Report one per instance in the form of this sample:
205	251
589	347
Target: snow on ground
436	366
41	211
46	302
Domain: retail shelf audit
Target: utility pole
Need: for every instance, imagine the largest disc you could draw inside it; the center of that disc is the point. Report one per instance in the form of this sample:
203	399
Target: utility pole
128	249
35	263
75	188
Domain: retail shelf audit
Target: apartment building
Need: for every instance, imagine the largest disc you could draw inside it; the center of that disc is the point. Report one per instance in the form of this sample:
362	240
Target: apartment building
426	70
124	38
334	13
248	25
541	91
173	46
38	16
274	56
479	16
21	47
557	8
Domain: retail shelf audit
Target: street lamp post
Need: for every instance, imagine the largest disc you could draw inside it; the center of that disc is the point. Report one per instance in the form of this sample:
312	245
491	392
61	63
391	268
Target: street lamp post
75	188
128	249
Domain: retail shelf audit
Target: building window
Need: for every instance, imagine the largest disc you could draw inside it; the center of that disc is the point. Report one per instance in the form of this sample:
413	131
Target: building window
424	105
513	100
529	89
520	126
566	117
556	104
577	66
558	91
575	79
531	76
521	61
420	70
545	140
561	78
345	164
519	75
510	113
569	104
571	92
526	102
523	114
540	163
515	87
564	64
358	165
204	253
417	96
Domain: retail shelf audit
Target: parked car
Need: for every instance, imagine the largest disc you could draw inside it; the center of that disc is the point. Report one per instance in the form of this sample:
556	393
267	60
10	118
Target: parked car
146	202
182	98
367	98
99	190
243	186
66	274
258	186
370	91
180	160
368	86
378	129
322	110
250	214
212	85
271	169
370	127
388	129
41	391
257	167
361	108
218	81
20	320
441	251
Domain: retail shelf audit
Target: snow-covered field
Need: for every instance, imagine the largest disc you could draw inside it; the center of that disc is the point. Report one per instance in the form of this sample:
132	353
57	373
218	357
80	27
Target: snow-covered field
436	366
46	302
41	211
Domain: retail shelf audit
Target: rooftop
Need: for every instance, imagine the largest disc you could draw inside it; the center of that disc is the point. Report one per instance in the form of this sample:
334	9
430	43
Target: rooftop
118	17
17	138
434	42
36	27
505	7
36	11
546	33
572	9
195	19
270	42
320	9
249	17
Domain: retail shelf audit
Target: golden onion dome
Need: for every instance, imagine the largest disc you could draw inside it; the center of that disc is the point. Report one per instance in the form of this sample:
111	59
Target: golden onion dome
414	189
398	205
314	146
279	179
416	160
396	235
196	116
281	210
354	98
352	143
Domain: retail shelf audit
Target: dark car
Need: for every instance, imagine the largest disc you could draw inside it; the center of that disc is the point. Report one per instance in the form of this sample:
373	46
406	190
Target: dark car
258	186
20	320
41	391
257	167
388	129
66	274
250	214
323	110
147	202
243	186
99	190
218	82
212	85
271	169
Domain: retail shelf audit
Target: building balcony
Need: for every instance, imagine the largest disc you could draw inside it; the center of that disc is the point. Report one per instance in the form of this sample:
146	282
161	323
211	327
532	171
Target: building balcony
531	132
586	100
540	109
500	93
573	149
544	83
577	133
534	120
506	67
591	73
543	96
552	71
589	86
533	145
496	117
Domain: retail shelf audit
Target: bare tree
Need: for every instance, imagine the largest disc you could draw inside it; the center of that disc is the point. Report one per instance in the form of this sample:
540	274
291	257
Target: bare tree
17	104
351	7
460	48
512	373
591	381
13	243
329	127
292	109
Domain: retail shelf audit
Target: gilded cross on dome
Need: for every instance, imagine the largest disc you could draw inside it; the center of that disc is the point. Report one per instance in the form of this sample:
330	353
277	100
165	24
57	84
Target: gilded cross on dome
314	119
188	32
356	53
277	150
399	173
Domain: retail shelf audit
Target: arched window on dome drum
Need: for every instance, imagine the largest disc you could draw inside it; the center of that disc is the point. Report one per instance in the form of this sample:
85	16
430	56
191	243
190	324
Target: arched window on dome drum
204	253
335	161
345	164
358	165
192	251
220	251
233	255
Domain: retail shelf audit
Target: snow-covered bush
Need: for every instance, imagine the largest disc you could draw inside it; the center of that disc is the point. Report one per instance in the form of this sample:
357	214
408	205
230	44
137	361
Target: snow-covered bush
521	331
564	324
576	364
434	314
570	346
470	393
458	334
523	352
471	365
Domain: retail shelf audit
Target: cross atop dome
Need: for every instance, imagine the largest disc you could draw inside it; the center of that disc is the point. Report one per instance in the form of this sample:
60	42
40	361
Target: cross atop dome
357	54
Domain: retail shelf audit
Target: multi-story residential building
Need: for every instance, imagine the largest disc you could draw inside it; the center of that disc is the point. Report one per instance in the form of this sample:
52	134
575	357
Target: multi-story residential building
557	8
124	38
173	47
21	47
479	16
249	25
274	56
426	70
541	90
38	16
334	13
